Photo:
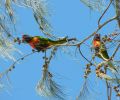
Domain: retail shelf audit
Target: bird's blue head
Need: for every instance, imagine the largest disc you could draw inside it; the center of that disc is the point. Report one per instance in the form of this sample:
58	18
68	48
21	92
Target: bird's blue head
97	37
26	38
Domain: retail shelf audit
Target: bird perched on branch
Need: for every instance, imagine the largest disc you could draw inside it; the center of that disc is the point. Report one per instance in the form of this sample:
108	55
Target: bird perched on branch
41	44
101	52
100	49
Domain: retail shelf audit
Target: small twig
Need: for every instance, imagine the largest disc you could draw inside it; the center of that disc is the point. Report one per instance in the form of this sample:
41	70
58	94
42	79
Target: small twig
104	12
107	85
47	86
13	65
5	30
45	58
114	53
109	90
85	57
84	92
52	54
111	19
101	26
81	42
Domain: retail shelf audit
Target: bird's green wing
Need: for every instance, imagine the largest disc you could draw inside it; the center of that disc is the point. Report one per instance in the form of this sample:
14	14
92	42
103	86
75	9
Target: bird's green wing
42	38
103	52
44	41
52	42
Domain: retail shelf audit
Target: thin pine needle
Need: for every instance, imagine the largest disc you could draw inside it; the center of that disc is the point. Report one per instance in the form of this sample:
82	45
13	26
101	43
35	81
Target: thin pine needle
10	10
47	86
40	13
98	5
7	49
84	92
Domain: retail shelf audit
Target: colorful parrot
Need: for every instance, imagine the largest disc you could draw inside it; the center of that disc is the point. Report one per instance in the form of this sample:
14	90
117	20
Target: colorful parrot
101	51
41	44
100	48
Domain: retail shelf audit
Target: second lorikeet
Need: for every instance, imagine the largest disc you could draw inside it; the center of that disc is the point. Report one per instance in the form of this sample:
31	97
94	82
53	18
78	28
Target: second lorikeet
101	51
100	48
41	44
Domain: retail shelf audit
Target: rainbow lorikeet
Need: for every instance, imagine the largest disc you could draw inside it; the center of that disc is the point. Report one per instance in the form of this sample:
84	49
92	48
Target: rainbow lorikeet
101	51
100	48
41	44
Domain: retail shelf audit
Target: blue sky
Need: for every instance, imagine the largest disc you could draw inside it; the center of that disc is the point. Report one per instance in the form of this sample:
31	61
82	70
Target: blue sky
69	18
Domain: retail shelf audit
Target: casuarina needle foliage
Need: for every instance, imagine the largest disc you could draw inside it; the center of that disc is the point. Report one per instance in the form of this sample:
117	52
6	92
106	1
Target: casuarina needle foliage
100	58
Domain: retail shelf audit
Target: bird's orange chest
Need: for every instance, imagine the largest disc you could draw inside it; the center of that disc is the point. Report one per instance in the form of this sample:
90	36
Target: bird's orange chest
96	43
34	41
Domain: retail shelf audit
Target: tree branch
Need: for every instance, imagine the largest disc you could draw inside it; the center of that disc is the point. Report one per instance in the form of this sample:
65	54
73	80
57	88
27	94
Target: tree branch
104	12
13	65
114	53
101	26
